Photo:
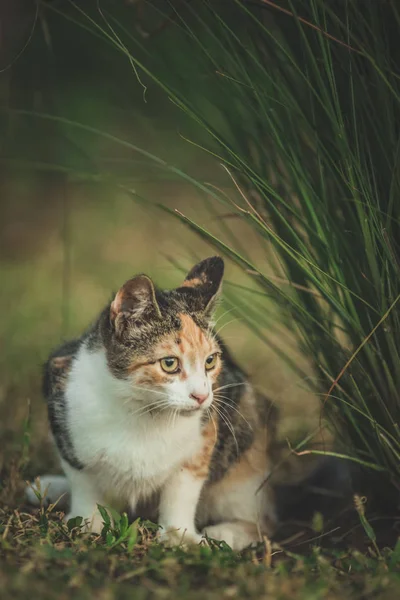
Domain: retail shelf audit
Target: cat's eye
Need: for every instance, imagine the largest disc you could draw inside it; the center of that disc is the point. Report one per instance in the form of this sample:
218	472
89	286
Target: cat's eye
211	361
170	364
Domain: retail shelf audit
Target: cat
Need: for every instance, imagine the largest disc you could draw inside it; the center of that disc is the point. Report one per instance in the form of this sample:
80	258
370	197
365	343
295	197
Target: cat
148	409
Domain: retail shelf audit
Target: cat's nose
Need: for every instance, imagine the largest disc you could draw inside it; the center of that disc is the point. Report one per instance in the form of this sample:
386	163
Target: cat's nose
200	398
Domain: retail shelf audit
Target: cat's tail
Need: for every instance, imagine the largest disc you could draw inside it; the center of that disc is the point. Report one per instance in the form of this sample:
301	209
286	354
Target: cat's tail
49	489
325	488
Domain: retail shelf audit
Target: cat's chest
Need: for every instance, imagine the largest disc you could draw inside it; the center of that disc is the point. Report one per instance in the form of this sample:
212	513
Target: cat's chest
150	451
142	450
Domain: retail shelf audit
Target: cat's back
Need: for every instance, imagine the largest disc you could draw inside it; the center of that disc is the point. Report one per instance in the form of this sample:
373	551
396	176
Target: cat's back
57	367
55	381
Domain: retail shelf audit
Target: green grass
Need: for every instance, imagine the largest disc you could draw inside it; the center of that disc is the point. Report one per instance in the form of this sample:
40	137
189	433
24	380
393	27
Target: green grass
42	556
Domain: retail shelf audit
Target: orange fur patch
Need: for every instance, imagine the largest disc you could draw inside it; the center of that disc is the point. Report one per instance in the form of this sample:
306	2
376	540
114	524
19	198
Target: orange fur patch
199	464
195	282
190	343
253	462
192	339
190	332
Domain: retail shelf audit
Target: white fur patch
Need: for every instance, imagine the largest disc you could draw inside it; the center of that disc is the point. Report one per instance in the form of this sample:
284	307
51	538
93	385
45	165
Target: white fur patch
128	455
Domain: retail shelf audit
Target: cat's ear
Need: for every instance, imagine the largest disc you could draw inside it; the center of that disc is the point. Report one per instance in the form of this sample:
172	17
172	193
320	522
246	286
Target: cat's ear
206	281
135	300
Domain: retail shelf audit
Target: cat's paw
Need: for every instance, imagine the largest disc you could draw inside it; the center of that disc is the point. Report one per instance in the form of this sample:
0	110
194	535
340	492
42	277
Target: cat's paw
179	537
236	535
92	524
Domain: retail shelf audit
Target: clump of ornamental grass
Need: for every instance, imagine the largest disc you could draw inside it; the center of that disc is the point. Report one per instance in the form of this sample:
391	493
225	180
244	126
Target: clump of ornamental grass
300	102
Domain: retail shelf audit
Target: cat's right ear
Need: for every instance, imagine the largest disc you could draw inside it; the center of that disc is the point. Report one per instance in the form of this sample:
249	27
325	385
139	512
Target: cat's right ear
205	282
136	301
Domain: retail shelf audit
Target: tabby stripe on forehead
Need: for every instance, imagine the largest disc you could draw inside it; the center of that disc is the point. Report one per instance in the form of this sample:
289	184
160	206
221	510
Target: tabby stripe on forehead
190	331
135	366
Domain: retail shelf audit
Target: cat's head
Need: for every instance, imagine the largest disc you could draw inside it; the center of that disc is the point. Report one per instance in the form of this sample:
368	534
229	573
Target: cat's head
162	343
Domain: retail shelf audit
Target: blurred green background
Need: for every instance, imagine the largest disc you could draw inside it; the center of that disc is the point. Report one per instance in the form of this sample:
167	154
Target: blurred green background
68	239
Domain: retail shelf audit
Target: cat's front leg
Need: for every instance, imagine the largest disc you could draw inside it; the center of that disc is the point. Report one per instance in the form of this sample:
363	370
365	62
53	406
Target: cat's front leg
85	498
178	503
181	493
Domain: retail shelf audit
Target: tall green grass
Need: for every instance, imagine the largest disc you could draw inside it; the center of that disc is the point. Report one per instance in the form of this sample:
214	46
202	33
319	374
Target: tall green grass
300	101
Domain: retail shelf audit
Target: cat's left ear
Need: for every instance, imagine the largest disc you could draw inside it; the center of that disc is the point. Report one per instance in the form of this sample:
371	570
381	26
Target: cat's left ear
206	281
136	301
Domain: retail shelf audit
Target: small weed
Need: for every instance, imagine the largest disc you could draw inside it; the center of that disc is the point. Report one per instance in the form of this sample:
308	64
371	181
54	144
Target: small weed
117	530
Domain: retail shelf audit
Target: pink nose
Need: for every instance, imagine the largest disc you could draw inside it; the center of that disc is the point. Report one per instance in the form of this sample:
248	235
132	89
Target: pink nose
200	398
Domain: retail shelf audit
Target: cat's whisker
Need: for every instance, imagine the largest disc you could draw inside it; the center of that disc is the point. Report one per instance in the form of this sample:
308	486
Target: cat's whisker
219	395
151	390
176	411
170	418
229	385
179	446
159	410
155	403
141	399
130	400
138	410
231	407
228	424
213	325
213	422
225	325
224	413
143	410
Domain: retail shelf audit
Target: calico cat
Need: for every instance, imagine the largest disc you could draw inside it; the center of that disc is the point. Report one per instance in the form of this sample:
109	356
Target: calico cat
148	409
